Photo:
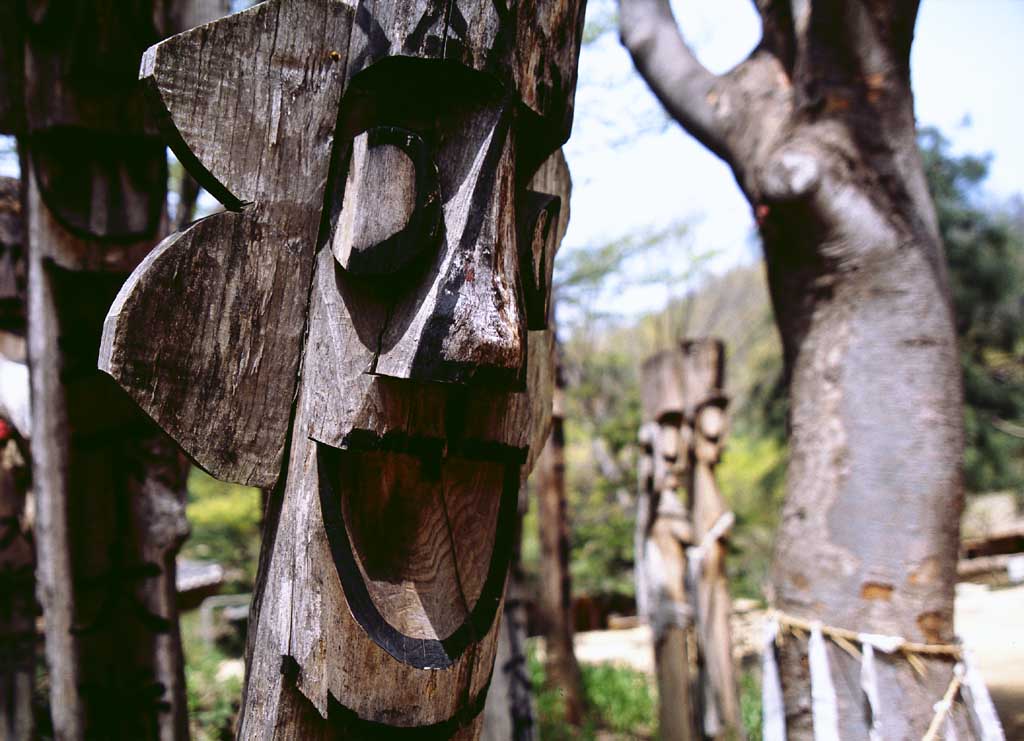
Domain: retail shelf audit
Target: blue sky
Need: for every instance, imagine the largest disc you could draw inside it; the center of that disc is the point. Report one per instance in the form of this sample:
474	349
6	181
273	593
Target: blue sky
632	171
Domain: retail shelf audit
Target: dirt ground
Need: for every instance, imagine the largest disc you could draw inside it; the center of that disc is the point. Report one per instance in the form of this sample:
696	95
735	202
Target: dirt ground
990	621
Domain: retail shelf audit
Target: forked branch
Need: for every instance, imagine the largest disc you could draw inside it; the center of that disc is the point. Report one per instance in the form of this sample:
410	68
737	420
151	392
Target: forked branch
649	31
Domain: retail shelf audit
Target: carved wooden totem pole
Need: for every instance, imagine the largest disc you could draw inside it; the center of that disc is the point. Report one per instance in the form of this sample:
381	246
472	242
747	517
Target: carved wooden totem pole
17	584
109	485
680	551
363	331
663	533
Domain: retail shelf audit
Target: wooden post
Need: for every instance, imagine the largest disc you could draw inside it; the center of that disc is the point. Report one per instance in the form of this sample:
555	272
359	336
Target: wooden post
684	413
17	584
509	713
384	237
555	600
109	486
664	531
703	367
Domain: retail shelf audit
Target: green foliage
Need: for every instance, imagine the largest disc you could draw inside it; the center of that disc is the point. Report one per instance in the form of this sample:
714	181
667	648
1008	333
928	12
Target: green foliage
751	475
621	703
225	520
750	705
602	417
213	702
985	253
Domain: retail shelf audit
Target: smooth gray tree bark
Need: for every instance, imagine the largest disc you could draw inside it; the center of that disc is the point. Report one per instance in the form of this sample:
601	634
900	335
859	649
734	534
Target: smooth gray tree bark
817	125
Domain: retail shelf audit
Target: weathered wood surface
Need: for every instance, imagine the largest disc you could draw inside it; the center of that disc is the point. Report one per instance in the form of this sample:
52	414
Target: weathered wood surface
109	486
663	532
18	608
384	229
684	415
703	363
410	483
235	281
554	601
509	713
422	389
532	48
106	589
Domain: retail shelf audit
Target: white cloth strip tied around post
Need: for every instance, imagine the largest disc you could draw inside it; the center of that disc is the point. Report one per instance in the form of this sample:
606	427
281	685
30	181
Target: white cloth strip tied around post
966	683
695	555
662	611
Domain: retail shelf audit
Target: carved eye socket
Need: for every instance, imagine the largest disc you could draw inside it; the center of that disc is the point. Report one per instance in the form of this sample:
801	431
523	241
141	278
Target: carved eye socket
391	210
711	421
538	235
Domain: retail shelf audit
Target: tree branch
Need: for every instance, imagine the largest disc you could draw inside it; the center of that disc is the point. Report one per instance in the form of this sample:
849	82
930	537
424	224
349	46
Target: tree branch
682	84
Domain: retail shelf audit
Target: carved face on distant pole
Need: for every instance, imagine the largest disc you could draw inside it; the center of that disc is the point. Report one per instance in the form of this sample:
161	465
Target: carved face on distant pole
392	220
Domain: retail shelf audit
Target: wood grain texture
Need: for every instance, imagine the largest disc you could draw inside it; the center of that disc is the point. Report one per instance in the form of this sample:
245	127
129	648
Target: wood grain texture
231	290
12	72
390	213
422	394
466	323
249	103
392	435
532	48
99	166
107	589
235	286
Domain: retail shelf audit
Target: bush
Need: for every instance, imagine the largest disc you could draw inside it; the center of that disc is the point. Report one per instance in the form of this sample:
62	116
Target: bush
225	520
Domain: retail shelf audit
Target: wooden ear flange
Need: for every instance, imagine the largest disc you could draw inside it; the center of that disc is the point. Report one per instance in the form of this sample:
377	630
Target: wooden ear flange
249	103
206	336
391	212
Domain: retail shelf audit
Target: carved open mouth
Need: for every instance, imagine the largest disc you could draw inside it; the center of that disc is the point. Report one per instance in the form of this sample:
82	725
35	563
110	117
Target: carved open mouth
421	543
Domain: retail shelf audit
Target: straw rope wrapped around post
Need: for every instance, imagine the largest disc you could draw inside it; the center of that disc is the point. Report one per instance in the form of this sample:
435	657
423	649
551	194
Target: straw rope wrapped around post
965	683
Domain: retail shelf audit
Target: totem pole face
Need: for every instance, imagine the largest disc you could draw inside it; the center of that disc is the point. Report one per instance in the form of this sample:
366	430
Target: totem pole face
393	217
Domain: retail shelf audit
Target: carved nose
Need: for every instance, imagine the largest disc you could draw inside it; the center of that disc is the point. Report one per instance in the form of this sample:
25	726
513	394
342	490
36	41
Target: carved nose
465	322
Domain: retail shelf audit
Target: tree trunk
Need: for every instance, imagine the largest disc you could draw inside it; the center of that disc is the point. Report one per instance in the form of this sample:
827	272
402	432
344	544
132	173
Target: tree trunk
818	127
555	600
17	558
109	485
509	713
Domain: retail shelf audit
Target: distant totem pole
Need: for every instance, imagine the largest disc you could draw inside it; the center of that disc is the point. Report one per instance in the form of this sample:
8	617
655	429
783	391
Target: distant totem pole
109	486
682	521
17	562
364	332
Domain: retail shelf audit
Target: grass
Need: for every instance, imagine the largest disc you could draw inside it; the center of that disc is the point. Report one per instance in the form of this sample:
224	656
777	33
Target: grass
621	703
213	702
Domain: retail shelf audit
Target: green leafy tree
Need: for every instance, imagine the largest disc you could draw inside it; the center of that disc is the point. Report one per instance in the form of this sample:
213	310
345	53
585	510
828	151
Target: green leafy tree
985	251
